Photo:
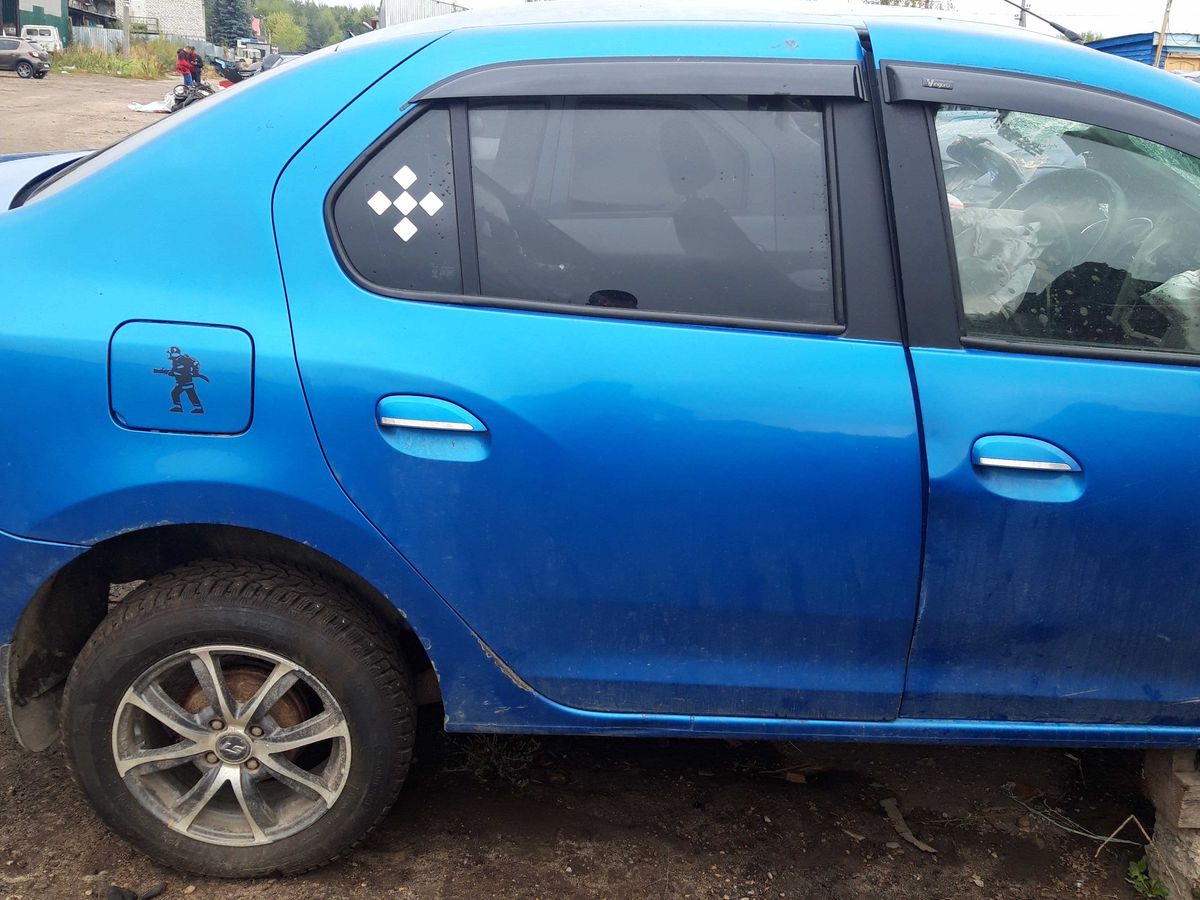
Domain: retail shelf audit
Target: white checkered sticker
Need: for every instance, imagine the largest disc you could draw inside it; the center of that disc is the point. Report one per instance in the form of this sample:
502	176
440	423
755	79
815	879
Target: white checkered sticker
430	204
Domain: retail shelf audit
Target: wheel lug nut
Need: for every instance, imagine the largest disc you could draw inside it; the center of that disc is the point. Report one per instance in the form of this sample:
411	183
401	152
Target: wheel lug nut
256	731
216	724
210	758
252	764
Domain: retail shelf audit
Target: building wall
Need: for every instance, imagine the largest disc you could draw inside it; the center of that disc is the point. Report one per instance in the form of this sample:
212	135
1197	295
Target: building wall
1182	62
1142	48
175	16
92	12
393	12
46	12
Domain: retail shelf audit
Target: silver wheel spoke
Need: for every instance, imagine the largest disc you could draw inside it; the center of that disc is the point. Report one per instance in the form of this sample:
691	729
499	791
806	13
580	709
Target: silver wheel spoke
257	811
154	701
176	765
319	728
281	680
156	760
192	803
302	782
208	672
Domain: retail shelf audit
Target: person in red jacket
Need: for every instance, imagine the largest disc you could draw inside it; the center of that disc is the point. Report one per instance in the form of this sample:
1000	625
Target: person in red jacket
183	65
197	62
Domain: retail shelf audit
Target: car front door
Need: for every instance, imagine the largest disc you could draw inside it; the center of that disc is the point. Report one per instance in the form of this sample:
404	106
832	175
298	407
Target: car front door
617	367
8	53
1052	282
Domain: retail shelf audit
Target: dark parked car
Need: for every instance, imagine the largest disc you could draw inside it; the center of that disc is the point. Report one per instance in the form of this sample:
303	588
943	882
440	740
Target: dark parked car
25	58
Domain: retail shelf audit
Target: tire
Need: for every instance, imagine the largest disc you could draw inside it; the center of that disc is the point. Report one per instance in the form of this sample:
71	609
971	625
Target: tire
248	623
25	69
40	75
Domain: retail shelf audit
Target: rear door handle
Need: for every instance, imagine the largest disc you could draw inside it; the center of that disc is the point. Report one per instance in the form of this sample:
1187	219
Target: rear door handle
1009	451
425	414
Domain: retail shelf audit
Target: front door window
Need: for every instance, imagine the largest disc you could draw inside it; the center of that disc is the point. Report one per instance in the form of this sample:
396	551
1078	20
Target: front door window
1071	233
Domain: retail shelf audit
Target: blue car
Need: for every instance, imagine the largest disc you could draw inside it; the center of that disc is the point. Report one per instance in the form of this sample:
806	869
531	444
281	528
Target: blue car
762	376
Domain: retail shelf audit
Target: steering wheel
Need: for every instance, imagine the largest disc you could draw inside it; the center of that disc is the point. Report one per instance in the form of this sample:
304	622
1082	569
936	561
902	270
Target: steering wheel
1062	189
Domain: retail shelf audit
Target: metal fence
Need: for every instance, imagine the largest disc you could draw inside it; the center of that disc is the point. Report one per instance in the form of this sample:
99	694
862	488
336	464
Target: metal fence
393	12
109	39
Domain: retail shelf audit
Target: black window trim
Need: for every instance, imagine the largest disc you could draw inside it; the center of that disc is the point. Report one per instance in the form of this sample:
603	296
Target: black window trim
469	265
913	90
650	76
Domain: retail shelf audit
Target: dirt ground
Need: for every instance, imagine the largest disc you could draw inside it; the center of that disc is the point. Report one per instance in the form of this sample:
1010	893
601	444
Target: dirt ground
71	112
519	817
588	817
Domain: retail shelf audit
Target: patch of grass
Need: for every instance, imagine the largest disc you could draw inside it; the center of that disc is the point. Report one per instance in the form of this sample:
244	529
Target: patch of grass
146	59
497	757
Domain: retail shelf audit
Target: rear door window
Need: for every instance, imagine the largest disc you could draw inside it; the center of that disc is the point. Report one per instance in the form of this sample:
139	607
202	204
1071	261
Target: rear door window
702	206
396	219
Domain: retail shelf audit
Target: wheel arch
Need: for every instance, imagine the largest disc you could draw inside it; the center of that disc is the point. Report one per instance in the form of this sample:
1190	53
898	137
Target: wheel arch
67	608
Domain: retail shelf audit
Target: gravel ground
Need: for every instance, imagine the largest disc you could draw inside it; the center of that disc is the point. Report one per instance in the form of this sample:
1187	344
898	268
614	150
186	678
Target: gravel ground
71	112
500	817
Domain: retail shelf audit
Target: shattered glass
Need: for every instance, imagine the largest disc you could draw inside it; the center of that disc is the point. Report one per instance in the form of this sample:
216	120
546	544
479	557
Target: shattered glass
1070	232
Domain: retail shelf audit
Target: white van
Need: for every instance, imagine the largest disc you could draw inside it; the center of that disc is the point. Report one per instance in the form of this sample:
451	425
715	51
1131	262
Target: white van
46	35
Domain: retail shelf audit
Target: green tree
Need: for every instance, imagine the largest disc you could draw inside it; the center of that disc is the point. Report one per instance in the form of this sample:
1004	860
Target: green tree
1089	36
230	21
350	18
210	15
265	8
284	33
322	27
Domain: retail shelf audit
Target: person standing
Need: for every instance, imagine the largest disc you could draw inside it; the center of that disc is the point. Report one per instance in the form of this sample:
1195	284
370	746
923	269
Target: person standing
197	62
183	65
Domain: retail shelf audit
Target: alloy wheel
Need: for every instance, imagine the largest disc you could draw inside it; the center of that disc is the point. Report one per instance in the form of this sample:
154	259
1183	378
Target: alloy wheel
231	745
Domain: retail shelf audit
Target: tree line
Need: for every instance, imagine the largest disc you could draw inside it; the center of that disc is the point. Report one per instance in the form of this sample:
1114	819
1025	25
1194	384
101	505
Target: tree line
291	25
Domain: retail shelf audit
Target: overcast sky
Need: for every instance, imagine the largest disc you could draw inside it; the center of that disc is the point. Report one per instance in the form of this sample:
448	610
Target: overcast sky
1109	17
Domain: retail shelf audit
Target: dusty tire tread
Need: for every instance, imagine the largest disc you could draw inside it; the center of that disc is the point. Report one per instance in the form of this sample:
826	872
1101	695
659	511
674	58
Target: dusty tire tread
304	594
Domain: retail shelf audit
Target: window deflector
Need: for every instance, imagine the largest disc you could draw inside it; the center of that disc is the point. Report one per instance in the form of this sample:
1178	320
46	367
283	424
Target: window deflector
924	86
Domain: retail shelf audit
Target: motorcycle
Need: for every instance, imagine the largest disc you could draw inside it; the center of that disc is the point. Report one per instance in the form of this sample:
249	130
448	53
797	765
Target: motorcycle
230	71
184	95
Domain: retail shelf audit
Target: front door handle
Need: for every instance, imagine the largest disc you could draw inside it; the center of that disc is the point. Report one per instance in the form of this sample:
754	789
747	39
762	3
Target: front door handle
425	414
1009	451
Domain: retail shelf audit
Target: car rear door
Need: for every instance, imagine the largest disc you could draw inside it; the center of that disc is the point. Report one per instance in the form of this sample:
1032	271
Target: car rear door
8	53
607	345
1051	283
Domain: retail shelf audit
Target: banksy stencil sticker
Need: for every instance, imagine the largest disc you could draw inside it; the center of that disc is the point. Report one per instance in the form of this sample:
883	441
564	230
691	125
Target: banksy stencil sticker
186	372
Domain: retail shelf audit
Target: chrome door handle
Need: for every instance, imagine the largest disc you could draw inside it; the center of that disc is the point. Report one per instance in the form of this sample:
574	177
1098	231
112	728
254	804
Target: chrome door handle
430	424
1011	451
425	414
999	462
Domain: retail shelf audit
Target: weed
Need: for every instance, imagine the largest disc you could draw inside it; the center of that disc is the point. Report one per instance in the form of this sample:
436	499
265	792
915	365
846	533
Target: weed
1145	885
498	757
146	59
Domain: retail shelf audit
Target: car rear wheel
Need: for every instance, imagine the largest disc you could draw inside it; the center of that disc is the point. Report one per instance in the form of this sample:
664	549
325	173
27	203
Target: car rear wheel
239	719
25	69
